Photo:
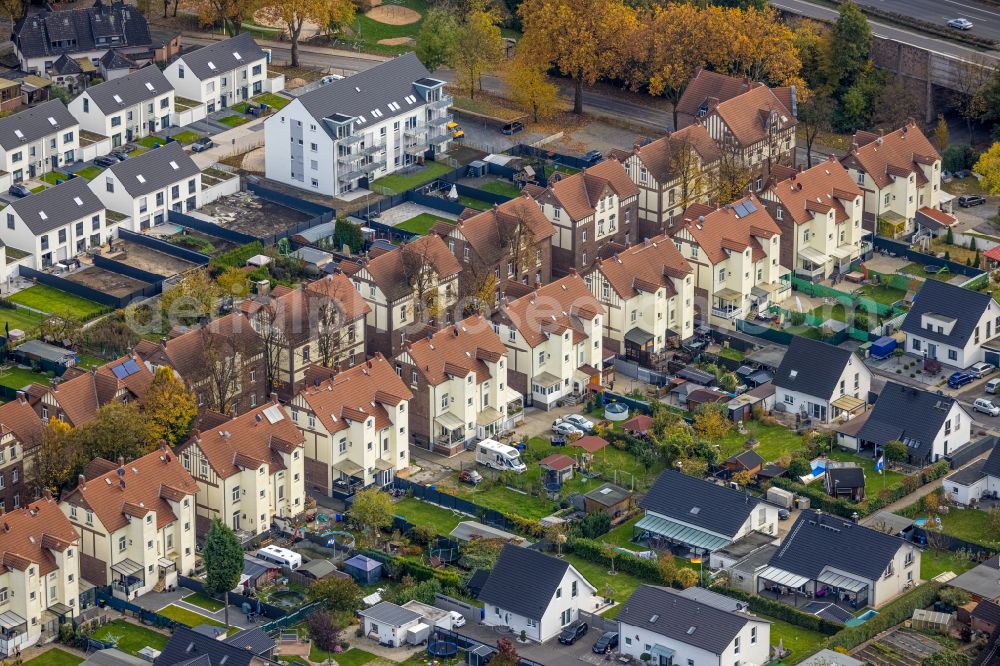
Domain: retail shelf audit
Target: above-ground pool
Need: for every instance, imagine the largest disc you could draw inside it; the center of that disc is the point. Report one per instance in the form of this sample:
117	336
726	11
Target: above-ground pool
286	599
861	619
616	411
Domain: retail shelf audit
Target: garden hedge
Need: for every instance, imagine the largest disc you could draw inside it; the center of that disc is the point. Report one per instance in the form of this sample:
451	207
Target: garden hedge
595	551
781	611
889	616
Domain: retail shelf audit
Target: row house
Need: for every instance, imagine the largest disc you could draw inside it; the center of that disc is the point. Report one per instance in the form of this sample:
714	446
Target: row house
127	108
320	322
356	427
249	469
406	289
734	251
76	398
57	224
511	242
670	173
221	74
222	363
819	212
554	337
458	377
899	173
648	291
147	187
20	436
707	89
754	130
40	577
136	523
38	140
347	133
588	210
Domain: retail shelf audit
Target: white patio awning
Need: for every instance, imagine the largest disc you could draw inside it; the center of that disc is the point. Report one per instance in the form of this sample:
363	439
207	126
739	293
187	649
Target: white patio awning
813	255
841	581
450	421
782	577
842	251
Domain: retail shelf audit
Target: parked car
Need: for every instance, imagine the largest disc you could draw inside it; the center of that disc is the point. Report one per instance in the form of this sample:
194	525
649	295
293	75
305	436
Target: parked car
959	379
606	643
783	514
202	144
105	161
580	422
330	78
457	133
510	129
986	407
970	200
119	155
960	24
565	428
993	386
980	370
457	619
571	634
19	190
470	476
594	156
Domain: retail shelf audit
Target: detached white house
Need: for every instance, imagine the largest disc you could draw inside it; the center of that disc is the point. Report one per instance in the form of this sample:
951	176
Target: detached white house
956	326
975	481
222	74
127	108
531	592
677	628
56	224
146	187
821	381
38	140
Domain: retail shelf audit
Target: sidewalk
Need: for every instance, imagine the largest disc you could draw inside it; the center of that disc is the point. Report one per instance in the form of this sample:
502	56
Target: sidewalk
924	490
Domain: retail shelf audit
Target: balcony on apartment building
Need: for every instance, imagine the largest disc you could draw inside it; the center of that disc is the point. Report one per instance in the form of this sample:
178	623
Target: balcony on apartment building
727	304
129	577
352	139
443	103
350	175
415	131
13	633
441	121
812	264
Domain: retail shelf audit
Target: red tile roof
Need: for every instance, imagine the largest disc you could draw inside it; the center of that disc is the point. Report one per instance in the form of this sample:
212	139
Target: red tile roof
896	153
580	193
458	350
557	461
749	115
18	417
29	534
590	443
487	231
938	216
648	266
388	273
552	308
723	229
826	185
639	423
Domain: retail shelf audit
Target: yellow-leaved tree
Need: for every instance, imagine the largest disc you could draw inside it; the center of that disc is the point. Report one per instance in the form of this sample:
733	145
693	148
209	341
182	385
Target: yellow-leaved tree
478	46
170	407
988	166
530	85
330	15
57	457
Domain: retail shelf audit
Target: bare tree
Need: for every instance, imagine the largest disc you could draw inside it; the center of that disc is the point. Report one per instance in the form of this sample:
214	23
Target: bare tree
971	76
816	116
274	341
330	331
735	174
421	277
225	356
517	240
686	165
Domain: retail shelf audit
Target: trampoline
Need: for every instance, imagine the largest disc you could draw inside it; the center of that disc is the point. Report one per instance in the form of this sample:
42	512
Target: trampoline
339	540
442	649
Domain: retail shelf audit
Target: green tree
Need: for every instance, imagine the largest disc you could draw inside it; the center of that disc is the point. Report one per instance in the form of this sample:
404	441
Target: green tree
170	407
894	450
371	513
435	41
686	577
347	233
223	557
479	45
995	520
481	553
667	567
949	237
850	47
341	595
119	430
941	134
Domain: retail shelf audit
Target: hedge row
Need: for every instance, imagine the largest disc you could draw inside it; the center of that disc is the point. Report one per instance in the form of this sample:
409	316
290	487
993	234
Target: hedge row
595	551
781	611
889	616
235	258
416	570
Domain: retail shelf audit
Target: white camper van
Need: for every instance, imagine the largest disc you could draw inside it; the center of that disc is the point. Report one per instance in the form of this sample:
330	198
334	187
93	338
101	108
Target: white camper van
280	556
493	454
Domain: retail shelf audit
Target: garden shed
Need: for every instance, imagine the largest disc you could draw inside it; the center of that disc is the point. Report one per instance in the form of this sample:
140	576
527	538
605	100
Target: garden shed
932	621
364	570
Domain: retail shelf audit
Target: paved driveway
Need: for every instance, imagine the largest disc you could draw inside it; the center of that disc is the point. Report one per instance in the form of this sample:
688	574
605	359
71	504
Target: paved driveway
550	653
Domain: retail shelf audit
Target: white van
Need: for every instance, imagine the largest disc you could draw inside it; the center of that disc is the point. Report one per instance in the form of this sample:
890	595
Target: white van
280	556
993	386
493	454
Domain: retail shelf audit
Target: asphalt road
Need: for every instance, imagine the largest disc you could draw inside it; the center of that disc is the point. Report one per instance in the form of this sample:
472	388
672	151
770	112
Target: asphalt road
985	18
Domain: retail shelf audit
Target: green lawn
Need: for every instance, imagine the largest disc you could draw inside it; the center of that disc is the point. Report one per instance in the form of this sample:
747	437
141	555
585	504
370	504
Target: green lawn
475	204
422	223
801	642
395	183
882	293
203	601
53	176
934	561
561	168
186	137
235	121
277	101
424	513
186	617
775	441
370	32
138	150
54	657
874	482
731	353
504	188
17	378
26	320
60	303
970	524
151	141
622	535
131	637
622	585
90	173
40	188
918	271
353	657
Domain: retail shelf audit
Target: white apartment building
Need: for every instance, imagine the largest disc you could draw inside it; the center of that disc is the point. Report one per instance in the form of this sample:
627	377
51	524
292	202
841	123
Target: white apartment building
136	523
249	469
126	108
56	224
148	186
38	140
221	74
347	133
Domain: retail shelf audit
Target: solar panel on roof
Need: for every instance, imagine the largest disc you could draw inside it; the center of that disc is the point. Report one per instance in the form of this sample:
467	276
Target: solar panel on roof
131	367
119	371
740	210
750	207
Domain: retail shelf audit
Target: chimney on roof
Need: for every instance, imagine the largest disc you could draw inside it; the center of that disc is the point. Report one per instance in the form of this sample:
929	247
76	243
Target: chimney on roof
81	480
711	103
47	494
274	397
20	397
163	342
54	384
121	461
881	137
819	516
121	483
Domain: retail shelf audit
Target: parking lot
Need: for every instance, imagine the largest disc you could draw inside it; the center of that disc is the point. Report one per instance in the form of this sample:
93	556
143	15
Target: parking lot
148	259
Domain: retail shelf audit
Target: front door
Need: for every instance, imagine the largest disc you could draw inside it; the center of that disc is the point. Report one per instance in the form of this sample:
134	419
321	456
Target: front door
931	350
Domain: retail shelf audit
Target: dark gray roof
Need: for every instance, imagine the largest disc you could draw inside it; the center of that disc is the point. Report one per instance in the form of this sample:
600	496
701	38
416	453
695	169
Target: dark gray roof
700	503
908	414
846	477
964	305
988	611
79	30
748	459
186	645
817	541
255	640
222	56
136	88
391	614
155	169
670	614
992	466
66	66
697	376
113	657
523	581
969	474
477	580
57	206
35	123
607	494
357	96
983	581
811	367
116	60
713	599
